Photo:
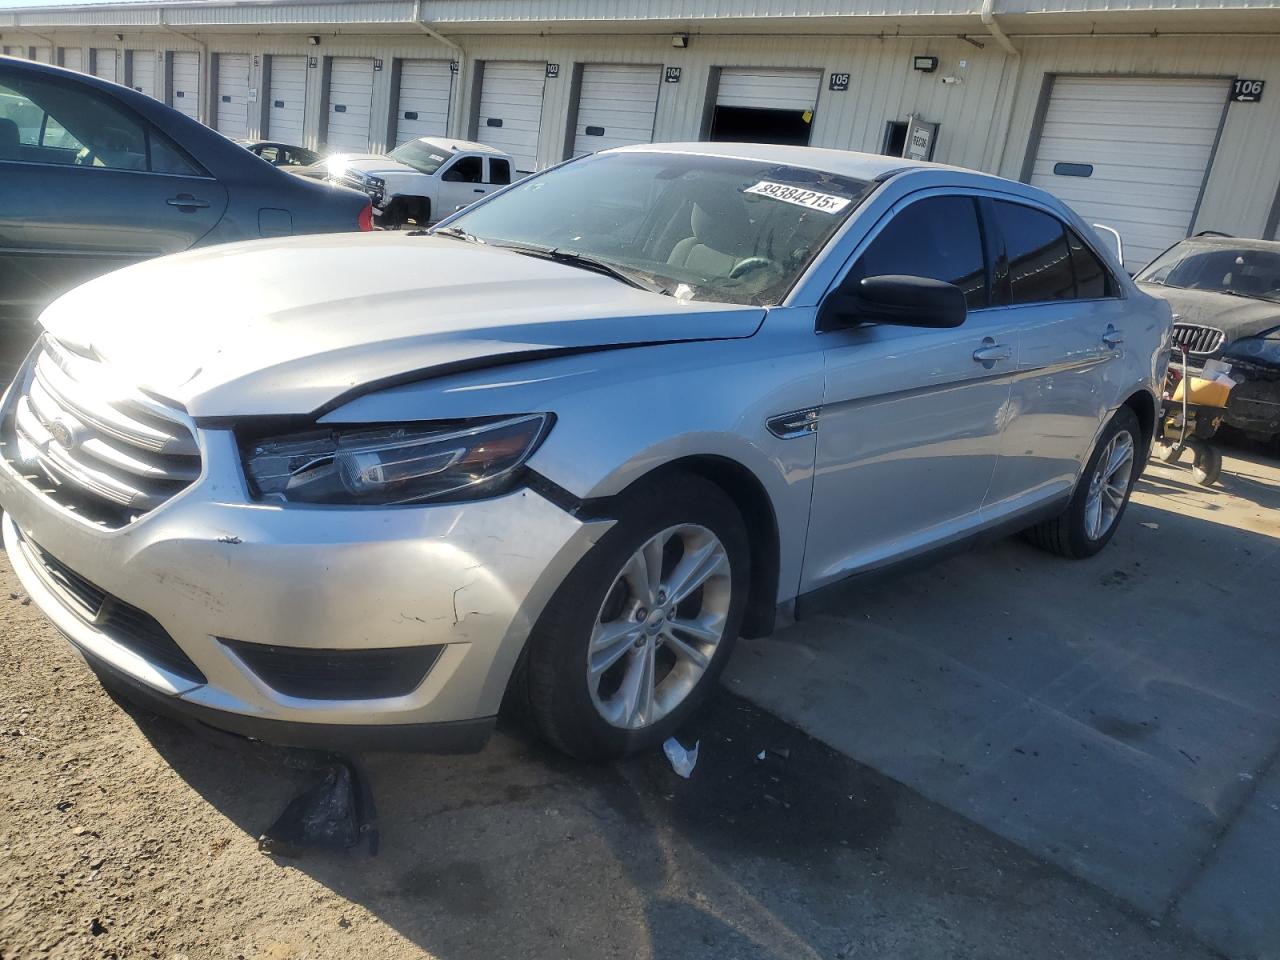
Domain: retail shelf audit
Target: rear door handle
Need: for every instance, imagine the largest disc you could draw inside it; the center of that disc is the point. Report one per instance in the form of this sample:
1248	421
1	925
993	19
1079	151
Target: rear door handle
1113	337
990	352
187	201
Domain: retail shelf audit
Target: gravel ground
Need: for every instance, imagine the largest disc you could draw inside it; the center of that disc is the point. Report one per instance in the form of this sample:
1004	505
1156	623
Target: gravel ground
124	835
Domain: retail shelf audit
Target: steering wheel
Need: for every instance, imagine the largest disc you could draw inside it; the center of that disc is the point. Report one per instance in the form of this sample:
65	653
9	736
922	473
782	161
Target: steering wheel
747	265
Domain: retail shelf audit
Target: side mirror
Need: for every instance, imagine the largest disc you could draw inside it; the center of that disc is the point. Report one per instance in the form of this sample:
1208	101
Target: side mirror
899	300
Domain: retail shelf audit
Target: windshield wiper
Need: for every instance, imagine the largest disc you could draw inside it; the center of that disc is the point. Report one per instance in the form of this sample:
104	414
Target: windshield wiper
456	232
630	277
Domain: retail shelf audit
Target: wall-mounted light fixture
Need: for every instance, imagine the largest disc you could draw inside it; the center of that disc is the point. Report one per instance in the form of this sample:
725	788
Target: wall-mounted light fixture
925	64
313	40
680	40
119	38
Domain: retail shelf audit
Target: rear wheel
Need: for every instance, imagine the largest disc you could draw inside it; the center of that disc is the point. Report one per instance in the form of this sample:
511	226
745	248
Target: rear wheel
1101	495
1206	465
637	635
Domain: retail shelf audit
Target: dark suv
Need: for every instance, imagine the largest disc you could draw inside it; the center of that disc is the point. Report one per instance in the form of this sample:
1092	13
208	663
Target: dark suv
94	176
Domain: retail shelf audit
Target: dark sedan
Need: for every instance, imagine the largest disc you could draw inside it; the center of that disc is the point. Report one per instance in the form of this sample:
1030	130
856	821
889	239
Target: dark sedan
94	176
1225	295
281	154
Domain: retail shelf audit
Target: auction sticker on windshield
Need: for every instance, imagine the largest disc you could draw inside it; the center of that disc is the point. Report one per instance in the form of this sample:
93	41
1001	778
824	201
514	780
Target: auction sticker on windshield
826	202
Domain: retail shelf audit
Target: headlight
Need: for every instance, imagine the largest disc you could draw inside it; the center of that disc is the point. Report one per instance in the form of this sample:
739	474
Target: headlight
389	465
1259	350
376	183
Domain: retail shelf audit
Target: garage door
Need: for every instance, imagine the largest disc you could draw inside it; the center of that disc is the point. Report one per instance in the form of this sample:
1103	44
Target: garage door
422	109
288	99
104	64
185	97
73	58
1131	153
142	71
15	52
511	110
44	54
616	106
769	89
232	115
350	103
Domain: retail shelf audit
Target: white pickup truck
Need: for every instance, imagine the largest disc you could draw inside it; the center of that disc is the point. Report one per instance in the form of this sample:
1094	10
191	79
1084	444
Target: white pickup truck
422	181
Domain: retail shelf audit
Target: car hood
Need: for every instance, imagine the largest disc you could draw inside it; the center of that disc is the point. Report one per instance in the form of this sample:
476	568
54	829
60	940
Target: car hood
366	163
1235	316
294	326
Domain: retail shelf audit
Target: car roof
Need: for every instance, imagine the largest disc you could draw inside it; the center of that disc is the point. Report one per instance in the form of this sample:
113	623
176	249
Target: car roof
463	146
860	166
1234	243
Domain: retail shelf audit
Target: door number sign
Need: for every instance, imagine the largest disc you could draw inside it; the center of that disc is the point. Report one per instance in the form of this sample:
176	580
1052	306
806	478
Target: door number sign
1247	91
838	81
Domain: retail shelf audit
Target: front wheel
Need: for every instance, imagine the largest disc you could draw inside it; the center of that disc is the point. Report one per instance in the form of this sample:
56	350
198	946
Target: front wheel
1101	495
638	633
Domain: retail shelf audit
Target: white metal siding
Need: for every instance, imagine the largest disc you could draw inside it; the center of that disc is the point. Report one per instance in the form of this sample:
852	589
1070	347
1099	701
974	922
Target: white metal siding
1149	141
616	106
511	110
232	115
142	65
287	106
186	83
422	105
104	64
769	89
73	58
350	103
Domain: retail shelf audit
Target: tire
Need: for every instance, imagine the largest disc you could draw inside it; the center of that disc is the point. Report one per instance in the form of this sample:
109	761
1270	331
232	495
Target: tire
1072	533
1206	468
591	717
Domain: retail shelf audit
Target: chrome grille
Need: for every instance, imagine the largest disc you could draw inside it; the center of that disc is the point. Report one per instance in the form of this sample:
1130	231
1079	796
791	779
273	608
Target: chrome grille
100	447
1197	340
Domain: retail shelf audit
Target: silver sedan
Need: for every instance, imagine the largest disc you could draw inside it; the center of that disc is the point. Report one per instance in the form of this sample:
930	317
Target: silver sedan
567	446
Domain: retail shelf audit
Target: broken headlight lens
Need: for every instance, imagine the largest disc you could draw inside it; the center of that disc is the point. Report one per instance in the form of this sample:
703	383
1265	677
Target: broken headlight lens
1262	350
390	465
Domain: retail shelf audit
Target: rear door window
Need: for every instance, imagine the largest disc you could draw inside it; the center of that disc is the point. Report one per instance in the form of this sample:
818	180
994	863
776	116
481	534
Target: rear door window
499	171
1047	260
938	238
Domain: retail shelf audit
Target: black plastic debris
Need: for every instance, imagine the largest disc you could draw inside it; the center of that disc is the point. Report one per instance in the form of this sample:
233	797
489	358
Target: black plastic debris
334	814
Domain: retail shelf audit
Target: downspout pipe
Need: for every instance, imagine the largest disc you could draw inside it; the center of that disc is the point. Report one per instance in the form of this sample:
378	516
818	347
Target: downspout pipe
987	13
206	69
460	55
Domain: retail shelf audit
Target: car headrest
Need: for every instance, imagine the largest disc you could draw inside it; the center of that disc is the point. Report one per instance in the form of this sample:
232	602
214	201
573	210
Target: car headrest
9	139
724	226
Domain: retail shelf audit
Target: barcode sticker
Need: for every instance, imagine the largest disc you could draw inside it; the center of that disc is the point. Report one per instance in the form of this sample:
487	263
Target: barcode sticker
825	202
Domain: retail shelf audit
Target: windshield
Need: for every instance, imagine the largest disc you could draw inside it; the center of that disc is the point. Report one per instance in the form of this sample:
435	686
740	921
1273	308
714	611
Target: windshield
1218	268
707	228
422	156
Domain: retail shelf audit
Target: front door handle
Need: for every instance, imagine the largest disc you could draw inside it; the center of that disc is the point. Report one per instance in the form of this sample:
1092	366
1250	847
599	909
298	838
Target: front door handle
479	190
990	351
1113	337
186	201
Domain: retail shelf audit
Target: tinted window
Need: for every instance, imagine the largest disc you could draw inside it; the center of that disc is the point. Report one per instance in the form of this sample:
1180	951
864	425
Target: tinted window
66	123
1093	280
499	171
936	238
466	170
1039	259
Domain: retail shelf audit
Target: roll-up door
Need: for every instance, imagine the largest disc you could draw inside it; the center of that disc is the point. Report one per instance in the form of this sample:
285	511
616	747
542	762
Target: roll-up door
616	106
185	94
232	113
44	54
422	107
73	58
350	103
286	111
104	64
765	105
511	110
14	51
142	71
1131	153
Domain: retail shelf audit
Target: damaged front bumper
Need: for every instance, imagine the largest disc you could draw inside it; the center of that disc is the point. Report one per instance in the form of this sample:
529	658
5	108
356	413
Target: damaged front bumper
313	626
1254	404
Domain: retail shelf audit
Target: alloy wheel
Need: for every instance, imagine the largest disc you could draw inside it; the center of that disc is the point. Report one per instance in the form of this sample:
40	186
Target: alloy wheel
1109	485
659	625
